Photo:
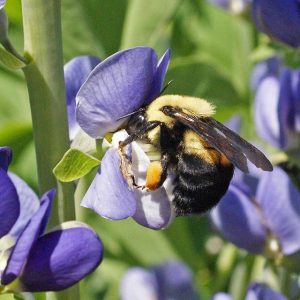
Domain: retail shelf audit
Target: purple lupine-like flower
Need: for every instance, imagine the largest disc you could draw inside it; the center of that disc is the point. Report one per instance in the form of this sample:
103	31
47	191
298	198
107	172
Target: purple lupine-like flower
51	261
9	199
2	3
256	291
261	213
76	72
119	85
171	280
279	19
234	6
264	69
39	262
277	104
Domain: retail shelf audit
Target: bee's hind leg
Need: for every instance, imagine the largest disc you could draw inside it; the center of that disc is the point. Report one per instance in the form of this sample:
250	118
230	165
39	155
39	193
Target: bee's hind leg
157	173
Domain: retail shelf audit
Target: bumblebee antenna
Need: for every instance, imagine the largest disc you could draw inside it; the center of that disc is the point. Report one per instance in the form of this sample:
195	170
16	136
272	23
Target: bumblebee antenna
165	87
130	114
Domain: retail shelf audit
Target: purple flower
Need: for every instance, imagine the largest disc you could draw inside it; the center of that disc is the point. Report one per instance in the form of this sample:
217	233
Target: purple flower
41	262
256	291
277	106
261	213
171	280
279	19
9	198
119	85
76	72
234	6
2	3
33	261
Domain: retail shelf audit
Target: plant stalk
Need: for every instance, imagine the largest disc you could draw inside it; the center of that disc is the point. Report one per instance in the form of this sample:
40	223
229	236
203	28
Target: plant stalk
46	88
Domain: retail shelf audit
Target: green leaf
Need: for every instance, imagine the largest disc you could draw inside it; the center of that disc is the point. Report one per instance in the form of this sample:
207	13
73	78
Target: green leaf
74	165
99	30
194	78
221	40
147	22
7	297
10	61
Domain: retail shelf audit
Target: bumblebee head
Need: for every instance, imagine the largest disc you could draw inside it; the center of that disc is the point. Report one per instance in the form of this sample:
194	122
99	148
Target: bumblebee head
137	121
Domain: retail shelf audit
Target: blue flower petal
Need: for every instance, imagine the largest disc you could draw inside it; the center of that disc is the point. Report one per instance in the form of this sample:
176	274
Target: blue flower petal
279	19
222	296
234	123
269	67
175	280
109	194
154	208
9	203
117	86
225	4
295	107
61	258
285	107
27	239
266	111
138	283
281	207
159	77
258	291
29	204
238	220
2	3
76	72
5	157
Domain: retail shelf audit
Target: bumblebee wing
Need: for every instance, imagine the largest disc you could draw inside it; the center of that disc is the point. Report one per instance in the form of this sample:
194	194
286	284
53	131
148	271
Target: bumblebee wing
251	152
235	148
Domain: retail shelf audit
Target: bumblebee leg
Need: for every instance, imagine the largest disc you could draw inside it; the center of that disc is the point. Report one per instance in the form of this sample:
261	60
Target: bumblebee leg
139	134
125	162
157	173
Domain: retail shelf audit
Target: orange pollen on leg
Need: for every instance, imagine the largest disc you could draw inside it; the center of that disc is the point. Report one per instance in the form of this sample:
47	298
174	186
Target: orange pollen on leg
153	177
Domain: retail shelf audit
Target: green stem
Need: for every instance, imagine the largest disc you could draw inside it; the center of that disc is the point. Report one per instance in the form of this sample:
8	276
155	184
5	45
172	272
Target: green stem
45	82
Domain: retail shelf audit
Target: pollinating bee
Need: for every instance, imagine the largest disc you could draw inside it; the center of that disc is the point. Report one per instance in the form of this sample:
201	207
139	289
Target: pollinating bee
200	151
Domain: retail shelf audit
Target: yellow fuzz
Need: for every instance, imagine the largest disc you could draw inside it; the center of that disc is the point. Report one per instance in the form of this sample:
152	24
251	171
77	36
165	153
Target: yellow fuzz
195	145
192	105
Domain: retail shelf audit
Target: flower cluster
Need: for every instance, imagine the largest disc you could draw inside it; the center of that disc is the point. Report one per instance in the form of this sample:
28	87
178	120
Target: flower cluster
32	260
259	215
170	280
255	291
279	19
277	106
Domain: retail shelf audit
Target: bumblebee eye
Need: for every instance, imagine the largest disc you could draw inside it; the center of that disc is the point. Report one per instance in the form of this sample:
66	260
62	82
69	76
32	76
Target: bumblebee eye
137	121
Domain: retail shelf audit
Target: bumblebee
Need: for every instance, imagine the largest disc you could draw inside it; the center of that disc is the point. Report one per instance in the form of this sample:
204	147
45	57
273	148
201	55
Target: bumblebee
200	151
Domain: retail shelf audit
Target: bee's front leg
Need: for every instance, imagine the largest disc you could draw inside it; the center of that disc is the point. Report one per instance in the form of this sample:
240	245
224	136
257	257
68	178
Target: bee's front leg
126	168
125	162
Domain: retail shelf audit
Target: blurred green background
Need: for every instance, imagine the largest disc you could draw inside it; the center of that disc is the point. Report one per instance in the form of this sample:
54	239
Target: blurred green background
211	58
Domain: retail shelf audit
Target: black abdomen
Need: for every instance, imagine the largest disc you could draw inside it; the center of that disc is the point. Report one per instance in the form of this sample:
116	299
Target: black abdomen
199	185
